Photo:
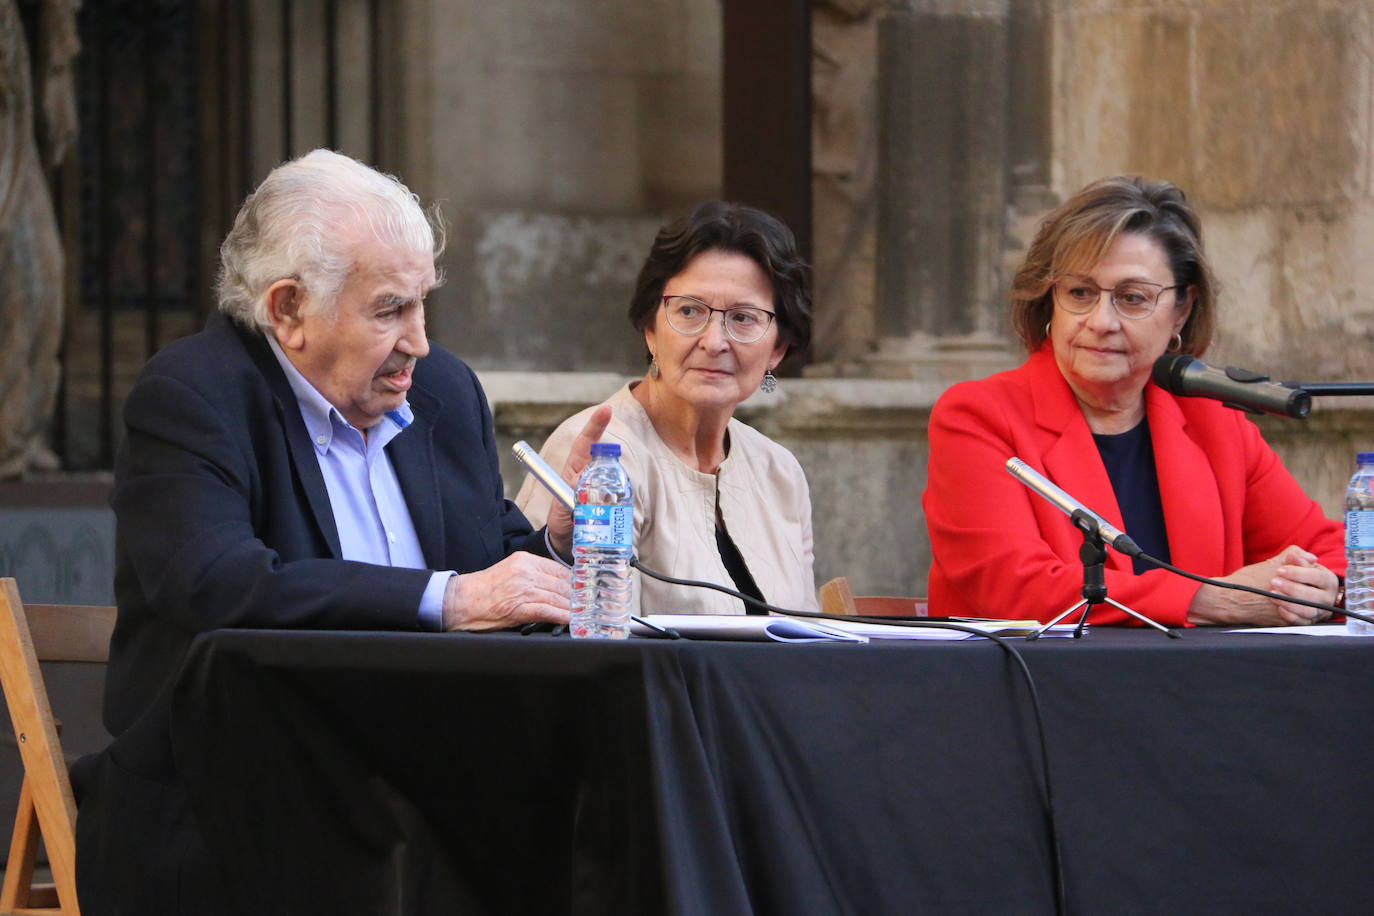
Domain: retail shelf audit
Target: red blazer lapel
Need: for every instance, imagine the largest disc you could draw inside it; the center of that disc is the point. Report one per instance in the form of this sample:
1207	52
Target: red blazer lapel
1188	487
1071	457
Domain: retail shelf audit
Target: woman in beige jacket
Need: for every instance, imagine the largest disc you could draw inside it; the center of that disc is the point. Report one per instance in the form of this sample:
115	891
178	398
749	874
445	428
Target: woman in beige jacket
721	298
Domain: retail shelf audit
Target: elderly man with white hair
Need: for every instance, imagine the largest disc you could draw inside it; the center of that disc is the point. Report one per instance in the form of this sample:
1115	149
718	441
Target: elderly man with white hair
308	460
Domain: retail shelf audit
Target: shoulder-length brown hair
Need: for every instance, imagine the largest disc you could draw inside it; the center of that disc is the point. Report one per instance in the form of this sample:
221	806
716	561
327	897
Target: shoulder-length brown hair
1074	237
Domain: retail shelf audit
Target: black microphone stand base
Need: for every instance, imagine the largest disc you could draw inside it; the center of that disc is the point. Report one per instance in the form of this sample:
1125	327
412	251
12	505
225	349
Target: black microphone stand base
1093	553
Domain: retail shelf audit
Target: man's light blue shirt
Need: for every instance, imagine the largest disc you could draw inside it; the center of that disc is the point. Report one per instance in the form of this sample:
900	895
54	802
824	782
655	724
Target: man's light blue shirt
370	511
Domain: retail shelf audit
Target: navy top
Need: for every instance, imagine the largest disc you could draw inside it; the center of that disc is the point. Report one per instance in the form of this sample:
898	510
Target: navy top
734	565
1130	461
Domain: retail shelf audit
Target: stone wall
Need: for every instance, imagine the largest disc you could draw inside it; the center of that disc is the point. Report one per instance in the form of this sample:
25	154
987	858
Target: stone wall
558	136
1260	110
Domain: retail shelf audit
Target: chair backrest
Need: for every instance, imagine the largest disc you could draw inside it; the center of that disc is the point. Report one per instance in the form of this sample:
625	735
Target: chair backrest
838	598
46	806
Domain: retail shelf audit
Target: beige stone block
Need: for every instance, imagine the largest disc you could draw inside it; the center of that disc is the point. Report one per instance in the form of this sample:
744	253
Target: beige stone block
680	136
555	140
866	511
622	36
1282	104
1122	96
844	235
1243	248
548	291
1327	292
1319	451
844	72
1072	7
701	38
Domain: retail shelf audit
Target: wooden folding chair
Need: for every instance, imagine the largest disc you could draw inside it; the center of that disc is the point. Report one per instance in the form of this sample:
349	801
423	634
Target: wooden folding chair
46	806
838	598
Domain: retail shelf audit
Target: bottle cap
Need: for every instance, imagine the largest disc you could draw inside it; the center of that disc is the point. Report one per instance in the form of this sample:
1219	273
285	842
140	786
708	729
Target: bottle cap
1364	457
613	449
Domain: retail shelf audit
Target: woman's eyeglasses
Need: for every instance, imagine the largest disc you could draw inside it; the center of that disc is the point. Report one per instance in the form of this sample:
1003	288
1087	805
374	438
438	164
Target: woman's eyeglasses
689	316
1134	299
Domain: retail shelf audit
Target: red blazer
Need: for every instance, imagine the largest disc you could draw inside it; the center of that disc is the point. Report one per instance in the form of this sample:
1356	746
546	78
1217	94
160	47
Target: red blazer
1002	551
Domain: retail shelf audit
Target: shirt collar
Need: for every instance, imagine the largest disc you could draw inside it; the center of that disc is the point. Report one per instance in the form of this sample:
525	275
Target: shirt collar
320	415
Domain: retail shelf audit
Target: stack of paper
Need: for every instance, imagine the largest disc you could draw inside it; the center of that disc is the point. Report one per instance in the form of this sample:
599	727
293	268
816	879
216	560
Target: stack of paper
801	629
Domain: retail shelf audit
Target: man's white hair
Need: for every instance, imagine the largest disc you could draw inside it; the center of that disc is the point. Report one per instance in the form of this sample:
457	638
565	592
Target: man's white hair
305	222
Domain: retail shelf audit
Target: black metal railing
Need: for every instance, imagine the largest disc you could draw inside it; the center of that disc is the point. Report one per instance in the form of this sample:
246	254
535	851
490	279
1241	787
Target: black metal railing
169	95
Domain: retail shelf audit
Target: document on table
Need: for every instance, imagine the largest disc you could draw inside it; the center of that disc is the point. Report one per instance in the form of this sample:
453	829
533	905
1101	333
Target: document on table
1316	629
797	629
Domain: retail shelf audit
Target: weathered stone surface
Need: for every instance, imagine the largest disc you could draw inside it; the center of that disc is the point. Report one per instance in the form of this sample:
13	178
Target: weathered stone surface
588	35
1328	292
942	96
679	168
844	163
1282	104
591	110
1295	292
1320	450
1122	88
1243	246
549	292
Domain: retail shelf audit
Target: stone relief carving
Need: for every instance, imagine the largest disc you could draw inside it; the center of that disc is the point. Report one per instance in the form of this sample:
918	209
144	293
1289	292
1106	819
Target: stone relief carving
37	124
844	160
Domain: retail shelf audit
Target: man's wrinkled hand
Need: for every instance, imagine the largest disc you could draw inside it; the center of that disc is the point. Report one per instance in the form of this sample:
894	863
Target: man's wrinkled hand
522	588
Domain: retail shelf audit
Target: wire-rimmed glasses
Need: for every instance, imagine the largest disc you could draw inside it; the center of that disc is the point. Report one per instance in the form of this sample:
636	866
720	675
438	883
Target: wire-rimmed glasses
1134	299
689	315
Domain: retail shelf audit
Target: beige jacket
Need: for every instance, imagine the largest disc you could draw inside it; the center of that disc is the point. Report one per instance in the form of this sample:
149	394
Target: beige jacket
764	501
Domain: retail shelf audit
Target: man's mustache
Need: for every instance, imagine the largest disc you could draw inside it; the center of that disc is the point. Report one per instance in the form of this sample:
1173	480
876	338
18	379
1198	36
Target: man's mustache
397	364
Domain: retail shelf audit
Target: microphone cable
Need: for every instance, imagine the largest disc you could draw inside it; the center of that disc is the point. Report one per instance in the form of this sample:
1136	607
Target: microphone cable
1051	824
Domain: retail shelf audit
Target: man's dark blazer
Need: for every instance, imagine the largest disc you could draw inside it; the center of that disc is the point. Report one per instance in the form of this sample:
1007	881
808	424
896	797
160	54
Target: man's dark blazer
223	520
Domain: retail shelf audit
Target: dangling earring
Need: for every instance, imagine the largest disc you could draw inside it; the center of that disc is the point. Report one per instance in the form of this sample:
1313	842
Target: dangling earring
653	367
770	382
1047	330
1176	343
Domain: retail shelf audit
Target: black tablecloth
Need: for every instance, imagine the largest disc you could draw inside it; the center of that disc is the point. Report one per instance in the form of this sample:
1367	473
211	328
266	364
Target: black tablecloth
419	773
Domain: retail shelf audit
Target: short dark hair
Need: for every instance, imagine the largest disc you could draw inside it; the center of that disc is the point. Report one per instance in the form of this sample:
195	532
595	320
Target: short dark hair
738	229
1077	233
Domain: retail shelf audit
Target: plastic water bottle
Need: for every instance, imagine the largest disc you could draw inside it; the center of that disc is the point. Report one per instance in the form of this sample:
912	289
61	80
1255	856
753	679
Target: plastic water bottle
603	543
1359	544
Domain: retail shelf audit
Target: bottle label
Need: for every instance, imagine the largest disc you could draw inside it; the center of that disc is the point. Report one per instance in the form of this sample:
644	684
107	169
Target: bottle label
1359	529
603	526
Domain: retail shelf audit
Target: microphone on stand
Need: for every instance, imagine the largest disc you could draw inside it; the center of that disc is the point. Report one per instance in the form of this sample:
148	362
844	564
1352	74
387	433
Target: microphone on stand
1188	376
1097	532
1109	533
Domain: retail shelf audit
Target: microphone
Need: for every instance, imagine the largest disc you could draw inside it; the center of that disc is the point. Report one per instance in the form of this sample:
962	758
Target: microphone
540	470
1188	376
1072	507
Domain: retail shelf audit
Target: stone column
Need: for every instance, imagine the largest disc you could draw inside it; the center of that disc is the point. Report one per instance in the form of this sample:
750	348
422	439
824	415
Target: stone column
37	122
943	80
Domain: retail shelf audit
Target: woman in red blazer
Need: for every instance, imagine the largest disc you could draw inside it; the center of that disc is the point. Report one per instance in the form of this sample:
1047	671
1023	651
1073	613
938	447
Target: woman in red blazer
1115	277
